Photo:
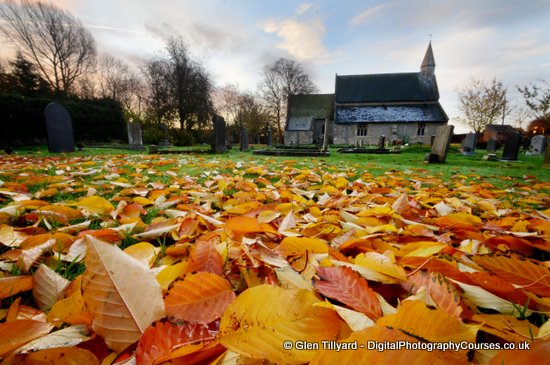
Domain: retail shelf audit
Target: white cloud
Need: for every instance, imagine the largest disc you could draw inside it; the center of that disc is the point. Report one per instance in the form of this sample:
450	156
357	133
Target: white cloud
367	14
304	8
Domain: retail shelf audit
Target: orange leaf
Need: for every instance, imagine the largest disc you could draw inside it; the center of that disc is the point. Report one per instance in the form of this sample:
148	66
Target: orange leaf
63	356
14	284
199	298
347	286
17	333
499	287
535	277
243	224
539	353
513	243
459	222
442	292
203	256
161	338
292	246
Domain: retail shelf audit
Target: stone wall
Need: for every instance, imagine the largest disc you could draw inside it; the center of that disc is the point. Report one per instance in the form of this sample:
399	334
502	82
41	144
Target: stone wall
347	133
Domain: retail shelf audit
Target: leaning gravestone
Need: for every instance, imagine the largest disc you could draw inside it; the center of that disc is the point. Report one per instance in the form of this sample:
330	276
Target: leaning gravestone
441	144
134	136
59	128
537	145
511	147
469	144
244	140
219	138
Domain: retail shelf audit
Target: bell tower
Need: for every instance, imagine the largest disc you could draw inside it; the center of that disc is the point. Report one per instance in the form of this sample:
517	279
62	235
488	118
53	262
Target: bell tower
427	68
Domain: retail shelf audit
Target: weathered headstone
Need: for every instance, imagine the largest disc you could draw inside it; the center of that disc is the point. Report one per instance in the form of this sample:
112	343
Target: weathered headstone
269	136
538	143
511	147
491	146
441	144
134	136
244	140
469	144
432	140
219	137
165	137
547	153
59	128
381	142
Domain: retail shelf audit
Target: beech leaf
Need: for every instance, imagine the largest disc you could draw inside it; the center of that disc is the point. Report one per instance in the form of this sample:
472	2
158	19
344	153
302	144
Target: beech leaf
48	287
114	289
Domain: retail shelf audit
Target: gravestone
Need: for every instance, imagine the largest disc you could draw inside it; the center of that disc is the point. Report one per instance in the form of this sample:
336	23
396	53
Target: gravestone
59	128
381	142
219	137
269	136
538	143
547	153
469	144
165	141
432	140
441	144
511	147
244	140
134	136
491	146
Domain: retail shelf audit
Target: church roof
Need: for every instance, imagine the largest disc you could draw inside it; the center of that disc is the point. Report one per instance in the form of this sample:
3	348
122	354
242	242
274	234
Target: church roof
302	109
382	88
421	113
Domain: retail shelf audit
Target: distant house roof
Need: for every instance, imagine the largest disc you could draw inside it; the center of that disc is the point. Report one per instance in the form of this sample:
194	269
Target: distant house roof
382	88
303	109
425	113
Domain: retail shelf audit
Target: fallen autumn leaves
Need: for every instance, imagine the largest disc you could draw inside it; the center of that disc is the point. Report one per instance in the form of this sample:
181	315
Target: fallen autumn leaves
226	267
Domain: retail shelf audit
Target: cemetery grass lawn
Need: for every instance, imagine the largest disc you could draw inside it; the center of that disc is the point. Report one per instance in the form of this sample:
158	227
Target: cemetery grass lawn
410	162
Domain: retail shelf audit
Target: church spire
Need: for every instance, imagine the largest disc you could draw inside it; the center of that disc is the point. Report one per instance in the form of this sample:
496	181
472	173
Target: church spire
427	69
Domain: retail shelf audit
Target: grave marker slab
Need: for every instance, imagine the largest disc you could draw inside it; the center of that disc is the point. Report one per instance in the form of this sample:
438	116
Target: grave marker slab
469	144
538	143
244	140
59	128
134	136
441	144
511	147
219	136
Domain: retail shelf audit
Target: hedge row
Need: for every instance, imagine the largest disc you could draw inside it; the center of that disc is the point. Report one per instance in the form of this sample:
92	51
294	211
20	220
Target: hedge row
22	120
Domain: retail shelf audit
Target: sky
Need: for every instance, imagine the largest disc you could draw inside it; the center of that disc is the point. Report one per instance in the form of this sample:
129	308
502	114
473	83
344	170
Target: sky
483	39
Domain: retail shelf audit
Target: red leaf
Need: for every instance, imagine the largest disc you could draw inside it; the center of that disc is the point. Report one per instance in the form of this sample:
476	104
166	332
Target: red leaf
162	338
204	257
346	286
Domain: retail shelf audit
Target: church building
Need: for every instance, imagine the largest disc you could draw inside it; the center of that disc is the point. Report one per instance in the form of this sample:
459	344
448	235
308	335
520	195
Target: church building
400	106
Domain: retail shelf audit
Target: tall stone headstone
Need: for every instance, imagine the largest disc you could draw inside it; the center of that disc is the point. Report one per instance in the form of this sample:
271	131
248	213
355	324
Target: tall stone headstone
165	136
219	135
269	136
134	136
511	147
59	128
491	146
538	144
441	144
244	140
469	144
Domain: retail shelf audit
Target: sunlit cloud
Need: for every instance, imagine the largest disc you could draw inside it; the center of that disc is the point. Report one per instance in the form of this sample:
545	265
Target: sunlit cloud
304	8
368	14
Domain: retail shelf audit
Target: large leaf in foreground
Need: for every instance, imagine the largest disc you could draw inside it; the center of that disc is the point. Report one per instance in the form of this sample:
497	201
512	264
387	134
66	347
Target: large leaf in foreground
262	318
122	296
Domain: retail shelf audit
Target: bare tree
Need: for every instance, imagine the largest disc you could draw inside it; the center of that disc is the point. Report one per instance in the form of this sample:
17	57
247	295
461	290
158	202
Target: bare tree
51	38
118	82
155	72
482	104
537	98
191	86
280	80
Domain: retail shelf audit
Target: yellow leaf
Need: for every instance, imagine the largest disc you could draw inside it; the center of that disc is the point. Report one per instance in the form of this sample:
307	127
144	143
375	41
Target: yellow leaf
96	204
299	245
144	252
143	201
421	249
382	264
435	325
170	273
262	318
115	287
